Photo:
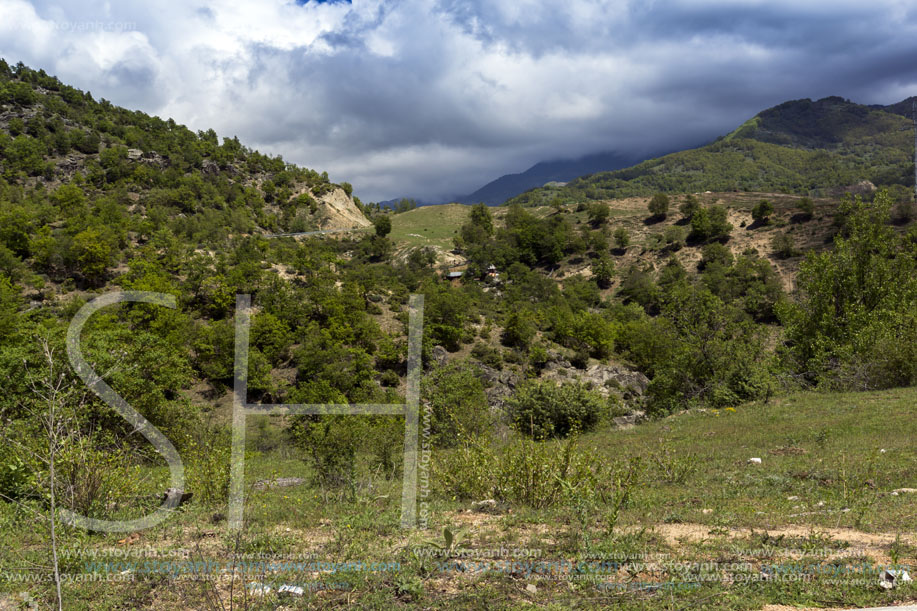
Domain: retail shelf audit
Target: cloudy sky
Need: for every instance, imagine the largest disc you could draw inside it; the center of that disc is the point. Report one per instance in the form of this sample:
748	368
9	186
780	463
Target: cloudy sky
433	98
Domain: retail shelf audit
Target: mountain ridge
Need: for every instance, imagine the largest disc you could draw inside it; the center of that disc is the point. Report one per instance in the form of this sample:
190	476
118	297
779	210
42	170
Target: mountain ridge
800	146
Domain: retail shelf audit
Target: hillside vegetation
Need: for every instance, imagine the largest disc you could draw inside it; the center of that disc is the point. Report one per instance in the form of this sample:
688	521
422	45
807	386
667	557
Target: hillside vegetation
802	147
568	322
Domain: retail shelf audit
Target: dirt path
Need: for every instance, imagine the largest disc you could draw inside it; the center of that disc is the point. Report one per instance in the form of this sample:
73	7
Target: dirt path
875	545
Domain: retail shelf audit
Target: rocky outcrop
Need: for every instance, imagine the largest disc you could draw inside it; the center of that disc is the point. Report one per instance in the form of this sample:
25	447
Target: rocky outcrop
604	379
499	384
337	210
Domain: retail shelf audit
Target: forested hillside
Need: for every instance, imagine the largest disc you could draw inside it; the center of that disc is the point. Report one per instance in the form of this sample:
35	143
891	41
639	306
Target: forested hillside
565	320
801	147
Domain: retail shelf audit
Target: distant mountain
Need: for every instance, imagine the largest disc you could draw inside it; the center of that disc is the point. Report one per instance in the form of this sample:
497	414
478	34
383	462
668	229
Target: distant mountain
510	185
799	146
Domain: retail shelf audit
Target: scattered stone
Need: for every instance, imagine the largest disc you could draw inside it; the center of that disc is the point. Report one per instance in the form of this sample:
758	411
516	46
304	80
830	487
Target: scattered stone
898	491
440	355
792	498
706	511
892	578
531	588
294	590
754	461
210	167
631	419
820	504
176	497
259	589
484	505
280	482
882	451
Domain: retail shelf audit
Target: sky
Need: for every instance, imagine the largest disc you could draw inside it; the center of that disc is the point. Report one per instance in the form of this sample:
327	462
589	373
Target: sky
435	98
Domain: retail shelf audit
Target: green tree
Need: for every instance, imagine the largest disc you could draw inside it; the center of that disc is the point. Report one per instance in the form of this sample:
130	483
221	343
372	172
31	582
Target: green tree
480	216
689	207
383	225
604	271
713	356
762	212
519	330
9	306
710	224
404	205
544	409
806	207
460	409
659	205
854	323
621	238
598	213
93	254
783	245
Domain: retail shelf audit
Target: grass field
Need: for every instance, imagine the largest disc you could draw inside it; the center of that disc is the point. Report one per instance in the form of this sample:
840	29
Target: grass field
429	225
704	528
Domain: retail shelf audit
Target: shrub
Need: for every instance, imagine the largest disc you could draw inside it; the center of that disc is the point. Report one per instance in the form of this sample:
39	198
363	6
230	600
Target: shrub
709	224
622	238
544	409
711	355
382	225
520	329
659	205
806	207
674	237
783	245
689	206
537	474
598	213
208	463
460	410
762	211
604	271
715	254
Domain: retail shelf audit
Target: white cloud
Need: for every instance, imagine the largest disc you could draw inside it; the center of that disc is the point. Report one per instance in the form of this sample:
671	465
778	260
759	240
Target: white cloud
436	97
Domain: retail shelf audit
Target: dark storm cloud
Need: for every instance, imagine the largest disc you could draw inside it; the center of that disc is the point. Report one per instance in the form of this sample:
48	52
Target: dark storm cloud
436	97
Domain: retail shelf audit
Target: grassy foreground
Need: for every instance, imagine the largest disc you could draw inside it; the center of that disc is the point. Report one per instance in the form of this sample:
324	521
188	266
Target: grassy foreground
704	528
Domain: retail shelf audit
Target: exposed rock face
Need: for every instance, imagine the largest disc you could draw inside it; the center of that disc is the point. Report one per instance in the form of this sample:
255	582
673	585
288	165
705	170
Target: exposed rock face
498	384
440	355
863	187
337	210
604	379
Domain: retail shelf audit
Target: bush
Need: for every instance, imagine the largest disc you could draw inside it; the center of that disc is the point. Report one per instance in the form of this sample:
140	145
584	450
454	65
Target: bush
711	355
544	409
460	410
659	205
622	238
537	474
598	213
783	245
382	225
806	207
674	237
762	211
604	271
689	206
709	224
208	463
520	329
